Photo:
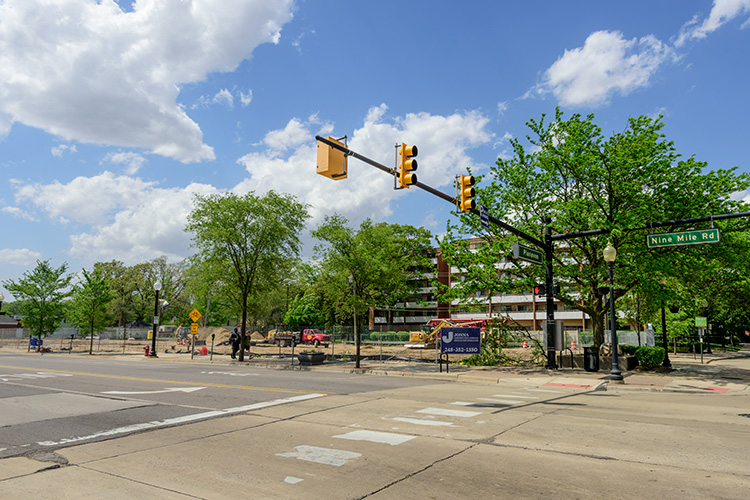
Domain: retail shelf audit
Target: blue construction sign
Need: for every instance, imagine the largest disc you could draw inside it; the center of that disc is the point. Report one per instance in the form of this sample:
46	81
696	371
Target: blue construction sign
455	340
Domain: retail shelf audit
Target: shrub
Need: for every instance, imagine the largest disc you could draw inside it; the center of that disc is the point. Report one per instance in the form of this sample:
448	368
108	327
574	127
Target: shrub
402	336
649	357
628	349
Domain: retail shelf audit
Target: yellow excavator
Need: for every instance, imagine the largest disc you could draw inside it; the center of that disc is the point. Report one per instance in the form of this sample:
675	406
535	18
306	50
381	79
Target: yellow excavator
427	339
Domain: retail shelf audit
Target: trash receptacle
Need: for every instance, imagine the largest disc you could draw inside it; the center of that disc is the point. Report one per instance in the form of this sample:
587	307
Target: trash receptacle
590	359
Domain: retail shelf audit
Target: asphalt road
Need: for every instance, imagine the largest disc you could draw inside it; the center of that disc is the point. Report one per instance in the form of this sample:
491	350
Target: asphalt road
52	401
496	434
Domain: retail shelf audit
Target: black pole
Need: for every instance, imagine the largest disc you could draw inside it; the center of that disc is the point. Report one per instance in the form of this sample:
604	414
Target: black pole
615	374
666	363
551	347
156	326
356	334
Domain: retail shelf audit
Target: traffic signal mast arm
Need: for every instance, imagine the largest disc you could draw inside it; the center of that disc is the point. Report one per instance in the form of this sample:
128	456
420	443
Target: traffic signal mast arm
544	245
431	190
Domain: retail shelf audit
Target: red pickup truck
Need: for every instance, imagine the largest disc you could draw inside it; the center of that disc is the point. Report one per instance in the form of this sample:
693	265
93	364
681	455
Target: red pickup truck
306	336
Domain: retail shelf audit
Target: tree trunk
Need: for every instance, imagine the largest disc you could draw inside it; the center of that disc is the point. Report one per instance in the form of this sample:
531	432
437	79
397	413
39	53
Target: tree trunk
597	320
243	328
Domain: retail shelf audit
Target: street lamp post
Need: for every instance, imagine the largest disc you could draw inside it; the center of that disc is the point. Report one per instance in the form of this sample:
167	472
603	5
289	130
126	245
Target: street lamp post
157	287
610	254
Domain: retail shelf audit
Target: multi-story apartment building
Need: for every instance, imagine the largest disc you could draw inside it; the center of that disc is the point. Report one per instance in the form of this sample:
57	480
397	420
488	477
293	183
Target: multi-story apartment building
523	308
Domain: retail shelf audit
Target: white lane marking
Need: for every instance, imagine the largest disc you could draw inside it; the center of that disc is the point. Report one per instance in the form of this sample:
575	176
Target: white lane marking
449	413
232	374
376	437
545	390
514	396
433	423
293	480
326	456
180	420
32	376
502	401
171	389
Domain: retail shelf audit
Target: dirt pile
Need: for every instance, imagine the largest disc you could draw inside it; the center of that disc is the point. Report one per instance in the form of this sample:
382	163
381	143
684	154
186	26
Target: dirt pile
222	334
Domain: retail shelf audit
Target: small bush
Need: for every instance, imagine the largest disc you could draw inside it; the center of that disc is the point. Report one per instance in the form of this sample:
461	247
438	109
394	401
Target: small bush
649	357
628	349
402	336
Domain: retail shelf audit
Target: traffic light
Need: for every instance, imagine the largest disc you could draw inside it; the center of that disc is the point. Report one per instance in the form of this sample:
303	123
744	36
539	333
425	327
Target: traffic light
540	290
332	162
407	165
466	193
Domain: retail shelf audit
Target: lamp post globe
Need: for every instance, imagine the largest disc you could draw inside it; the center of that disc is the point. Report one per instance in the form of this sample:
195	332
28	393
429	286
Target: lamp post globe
152	353
610	254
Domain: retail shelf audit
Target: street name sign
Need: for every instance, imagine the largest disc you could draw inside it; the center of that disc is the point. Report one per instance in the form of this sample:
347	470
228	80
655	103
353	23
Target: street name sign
528	254
454	340
698	237
484	216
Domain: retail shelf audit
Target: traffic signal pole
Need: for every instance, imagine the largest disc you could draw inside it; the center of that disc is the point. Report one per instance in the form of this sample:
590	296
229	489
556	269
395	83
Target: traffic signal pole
544	245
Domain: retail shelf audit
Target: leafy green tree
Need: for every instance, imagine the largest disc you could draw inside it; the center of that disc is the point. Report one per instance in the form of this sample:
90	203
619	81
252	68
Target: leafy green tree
88	309
121	283
42	292
584	181
376	265
250	241
305	310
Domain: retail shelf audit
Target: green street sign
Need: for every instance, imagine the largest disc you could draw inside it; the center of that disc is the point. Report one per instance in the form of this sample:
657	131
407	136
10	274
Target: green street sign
528	254
698	237
701	322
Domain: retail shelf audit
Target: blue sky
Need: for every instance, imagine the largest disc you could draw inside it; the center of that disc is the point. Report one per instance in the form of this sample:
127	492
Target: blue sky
114	114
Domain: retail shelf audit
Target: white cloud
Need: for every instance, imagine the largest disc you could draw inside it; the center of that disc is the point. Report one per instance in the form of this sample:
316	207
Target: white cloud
90	200
132	161
502	107
19	257
223	98
607	63
62	149
85	70
246	99
152	227
443	143
18	213
722	12
291	136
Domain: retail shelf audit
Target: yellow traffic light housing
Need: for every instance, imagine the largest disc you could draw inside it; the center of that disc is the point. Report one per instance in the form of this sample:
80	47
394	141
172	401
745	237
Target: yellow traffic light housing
407	165
466	193
332	162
